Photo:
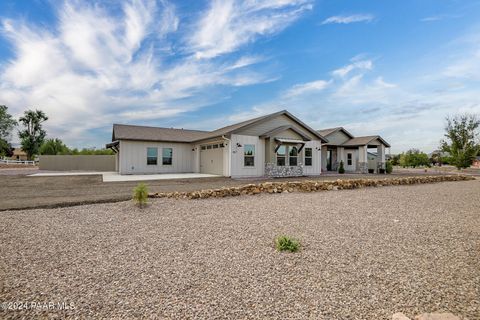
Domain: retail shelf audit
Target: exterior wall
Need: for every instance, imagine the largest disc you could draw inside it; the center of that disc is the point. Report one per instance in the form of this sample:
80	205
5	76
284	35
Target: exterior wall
353	166
337	138
316	167
80	162
269	125
237	168
133	157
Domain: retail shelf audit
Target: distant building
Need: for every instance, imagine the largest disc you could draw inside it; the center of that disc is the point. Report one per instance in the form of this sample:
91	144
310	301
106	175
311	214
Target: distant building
19	154
476	162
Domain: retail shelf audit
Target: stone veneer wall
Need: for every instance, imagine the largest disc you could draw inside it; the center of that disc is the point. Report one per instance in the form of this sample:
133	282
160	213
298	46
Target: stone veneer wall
274	171
362	167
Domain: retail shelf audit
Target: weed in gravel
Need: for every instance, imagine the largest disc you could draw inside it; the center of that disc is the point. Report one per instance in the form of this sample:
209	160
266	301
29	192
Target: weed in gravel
140	194
285	243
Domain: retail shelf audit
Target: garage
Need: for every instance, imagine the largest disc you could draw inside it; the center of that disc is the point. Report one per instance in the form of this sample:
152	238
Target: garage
211	158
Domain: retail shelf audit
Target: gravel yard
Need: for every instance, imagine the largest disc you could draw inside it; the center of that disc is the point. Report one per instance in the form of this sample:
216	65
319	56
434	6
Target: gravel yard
365	254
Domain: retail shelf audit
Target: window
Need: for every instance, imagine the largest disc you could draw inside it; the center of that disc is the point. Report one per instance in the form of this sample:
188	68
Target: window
209	146
349	159
221	145
249	155
293	156
167	154
152	155
308	156
281	155
215	146
203	147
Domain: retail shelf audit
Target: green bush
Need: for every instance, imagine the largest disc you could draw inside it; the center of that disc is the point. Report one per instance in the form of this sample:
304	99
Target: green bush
140	194
341	169
389	167
285	243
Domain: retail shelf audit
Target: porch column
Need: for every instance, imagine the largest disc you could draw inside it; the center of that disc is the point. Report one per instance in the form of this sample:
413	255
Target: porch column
323	156
341	157
380	157
362	160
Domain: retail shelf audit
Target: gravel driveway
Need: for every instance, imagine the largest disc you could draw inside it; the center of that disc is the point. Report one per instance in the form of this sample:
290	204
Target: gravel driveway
366	254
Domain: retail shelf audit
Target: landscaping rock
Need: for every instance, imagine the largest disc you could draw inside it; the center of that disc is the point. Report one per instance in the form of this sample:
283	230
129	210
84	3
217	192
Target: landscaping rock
306	186
437	316
400	316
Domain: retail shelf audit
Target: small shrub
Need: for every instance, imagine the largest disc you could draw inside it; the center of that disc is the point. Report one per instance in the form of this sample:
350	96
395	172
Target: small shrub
389	167
285	243
341	169
140	194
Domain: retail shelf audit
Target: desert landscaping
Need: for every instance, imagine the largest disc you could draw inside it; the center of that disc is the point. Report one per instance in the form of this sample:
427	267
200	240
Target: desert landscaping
377	254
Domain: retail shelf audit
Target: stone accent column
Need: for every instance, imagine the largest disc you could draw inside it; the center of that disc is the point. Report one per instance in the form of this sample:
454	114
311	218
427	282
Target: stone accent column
362	160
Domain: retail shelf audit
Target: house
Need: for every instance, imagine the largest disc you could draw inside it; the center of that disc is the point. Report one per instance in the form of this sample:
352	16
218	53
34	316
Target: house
274	145
353	151
19	154
476	162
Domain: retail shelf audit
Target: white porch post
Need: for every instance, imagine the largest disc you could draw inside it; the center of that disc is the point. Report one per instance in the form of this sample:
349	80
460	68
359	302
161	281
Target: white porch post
362	159
380	157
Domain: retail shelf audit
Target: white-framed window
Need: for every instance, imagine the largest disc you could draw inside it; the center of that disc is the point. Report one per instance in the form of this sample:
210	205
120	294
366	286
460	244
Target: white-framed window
349	159
292	156
249	155
152	156
203	147
215	146
308	157
167	156
281	156
209	147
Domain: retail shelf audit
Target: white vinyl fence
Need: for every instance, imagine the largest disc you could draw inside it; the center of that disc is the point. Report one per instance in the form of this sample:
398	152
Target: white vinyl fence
25	162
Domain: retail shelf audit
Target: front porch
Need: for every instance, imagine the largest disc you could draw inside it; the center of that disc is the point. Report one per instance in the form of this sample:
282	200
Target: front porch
368	157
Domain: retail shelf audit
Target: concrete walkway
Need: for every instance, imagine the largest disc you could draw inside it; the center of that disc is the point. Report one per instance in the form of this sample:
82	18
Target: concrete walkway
112	176
115	177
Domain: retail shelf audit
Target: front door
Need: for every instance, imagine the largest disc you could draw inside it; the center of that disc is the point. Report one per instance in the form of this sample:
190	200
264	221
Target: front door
329	160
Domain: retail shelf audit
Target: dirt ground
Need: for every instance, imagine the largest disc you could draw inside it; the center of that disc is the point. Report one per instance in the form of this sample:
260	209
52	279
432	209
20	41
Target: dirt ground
19	191
365	254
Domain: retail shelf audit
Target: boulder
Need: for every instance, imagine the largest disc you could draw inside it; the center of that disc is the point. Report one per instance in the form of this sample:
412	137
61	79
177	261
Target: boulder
437	316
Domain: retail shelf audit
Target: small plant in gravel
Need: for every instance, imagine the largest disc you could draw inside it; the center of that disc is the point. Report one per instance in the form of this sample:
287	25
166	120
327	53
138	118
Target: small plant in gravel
140	194
341	169
389	167
285	243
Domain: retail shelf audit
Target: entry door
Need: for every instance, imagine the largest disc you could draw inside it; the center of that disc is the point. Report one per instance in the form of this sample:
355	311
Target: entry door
329	160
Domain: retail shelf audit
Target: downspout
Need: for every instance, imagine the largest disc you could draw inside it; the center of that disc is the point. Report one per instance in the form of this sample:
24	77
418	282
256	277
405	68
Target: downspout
229	160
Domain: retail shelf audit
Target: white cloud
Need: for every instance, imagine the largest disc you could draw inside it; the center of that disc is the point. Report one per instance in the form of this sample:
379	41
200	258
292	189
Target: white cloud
355	65
229	24
305	88
96	66
346	19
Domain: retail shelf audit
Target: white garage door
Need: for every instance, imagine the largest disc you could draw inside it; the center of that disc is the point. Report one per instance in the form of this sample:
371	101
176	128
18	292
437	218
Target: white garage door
211	159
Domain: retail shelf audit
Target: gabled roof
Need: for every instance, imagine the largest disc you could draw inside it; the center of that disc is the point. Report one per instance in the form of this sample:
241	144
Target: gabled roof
329	131
245	124
143	133
282	129
361	141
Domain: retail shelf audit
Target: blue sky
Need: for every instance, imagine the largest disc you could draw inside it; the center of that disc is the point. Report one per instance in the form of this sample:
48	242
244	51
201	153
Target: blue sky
394	68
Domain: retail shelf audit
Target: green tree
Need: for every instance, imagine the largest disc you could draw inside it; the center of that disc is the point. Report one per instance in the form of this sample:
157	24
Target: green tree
33	135
53	147
414	158
7	123
461	141
395	159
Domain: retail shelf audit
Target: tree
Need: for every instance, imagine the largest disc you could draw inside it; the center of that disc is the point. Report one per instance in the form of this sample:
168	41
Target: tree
395	159
53	147
33	135
414	158
461	142
7	123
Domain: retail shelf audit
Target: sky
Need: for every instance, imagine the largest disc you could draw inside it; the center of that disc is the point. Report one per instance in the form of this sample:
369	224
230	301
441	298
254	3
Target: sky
393	68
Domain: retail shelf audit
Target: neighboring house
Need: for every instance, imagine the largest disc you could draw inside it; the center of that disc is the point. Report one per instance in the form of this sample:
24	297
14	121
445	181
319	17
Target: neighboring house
277	144
476	162
353	151
19	154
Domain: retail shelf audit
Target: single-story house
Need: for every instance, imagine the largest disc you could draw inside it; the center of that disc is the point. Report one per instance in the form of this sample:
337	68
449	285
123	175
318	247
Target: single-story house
353	151
476	162
19	154
275	145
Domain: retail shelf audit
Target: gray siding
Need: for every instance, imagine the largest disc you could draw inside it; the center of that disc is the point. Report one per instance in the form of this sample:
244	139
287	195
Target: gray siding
271	124
133	157
337	138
